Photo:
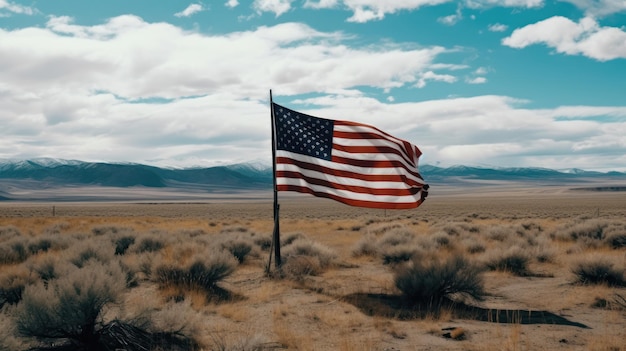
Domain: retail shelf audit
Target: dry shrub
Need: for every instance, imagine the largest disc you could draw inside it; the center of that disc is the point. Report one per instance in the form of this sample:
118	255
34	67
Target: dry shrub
70	308
598	270
122	244
514	260
57	228
473	245
591	232
9	232
80	254
400	254
396	236
202	272
148	243
304	257
428	282
366	246
110	230
49	267
12	287
500	233
8	341
14	250
238	247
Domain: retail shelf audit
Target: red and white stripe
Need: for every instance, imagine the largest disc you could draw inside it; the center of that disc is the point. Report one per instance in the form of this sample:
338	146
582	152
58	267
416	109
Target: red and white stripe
369	168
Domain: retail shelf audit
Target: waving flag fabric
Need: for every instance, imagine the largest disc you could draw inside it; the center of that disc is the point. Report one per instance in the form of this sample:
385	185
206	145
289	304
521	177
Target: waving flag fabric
353	163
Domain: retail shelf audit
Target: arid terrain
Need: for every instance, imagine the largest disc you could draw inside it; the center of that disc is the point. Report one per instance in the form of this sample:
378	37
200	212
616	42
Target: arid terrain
549	262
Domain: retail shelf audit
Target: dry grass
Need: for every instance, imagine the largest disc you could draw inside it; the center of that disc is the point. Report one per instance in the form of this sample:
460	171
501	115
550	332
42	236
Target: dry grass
344	296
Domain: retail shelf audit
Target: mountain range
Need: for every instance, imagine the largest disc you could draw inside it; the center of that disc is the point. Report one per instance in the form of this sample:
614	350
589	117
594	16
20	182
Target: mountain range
252	176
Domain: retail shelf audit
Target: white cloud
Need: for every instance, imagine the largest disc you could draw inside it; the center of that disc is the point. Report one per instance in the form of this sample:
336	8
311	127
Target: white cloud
368	10
449	20
432	76
498	27
321	4
232	3
190	10
278	7
494	130
503	3
566	36
16	8
129	90
476	80
599	8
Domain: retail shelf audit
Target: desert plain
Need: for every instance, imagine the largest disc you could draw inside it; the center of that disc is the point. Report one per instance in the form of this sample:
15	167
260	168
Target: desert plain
531	247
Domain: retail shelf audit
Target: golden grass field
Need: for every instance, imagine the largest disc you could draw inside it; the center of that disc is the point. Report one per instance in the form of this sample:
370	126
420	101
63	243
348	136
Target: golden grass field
351	302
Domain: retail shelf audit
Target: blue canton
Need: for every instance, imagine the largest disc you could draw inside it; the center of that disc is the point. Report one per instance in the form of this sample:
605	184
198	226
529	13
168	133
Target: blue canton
303	134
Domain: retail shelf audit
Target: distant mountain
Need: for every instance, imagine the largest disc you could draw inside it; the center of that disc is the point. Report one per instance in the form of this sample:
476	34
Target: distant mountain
55	173
74	173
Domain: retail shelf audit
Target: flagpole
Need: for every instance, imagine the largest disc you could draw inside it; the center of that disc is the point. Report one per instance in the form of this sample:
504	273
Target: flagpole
276	234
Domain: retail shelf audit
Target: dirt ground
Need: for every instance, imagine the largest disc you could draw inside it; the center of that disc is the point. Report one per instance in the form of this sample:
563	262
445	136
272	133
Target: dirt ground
353	305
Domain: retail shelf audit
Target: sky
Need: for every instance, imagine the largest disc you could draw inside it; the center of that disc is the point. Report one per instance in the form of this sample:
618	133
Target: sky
490	83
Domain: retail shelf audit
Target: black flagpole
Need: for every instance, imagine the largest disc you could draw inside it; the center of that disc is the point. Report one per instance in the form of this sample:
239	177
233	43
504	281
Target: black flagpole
276	236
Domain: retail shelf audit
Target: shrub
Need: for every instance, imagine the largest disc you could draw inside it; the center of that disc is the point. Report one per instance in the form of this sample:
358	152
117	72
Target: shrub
14	251
69	315
123	243
202	272
263	242
311	249
430	281
396	236
366	246
86	251
238	247
49	268
598	271
71	307
399	254
616	240
499	233
11	288
291	238
9	232
109	229
514	260
148	244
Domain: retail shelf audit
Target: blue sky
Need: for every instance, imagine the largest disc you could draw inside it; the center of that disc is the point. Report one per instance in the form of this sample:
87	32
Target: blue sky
504	83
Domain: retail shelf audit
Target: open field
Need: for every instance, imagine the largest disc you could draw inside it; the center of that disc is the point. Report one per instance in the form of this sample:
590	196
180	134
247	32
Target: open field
531	248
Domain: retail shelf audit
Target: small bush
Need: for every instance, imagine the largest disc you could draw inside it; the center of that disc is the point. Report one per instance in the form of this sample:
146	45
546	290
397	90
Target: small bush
263	242
616	240
14	251
123	243
71	307
309	248
397	254
514	260
366	246
395	237
11	288
202	272
109	230
49	268
9	232
239	248
84	252
148	244
430	281
598	271
499	233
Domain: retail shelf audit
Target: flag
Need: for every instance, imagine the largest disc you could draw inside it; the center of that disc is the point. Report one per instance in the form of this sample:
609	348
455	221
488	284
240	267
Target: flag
353	163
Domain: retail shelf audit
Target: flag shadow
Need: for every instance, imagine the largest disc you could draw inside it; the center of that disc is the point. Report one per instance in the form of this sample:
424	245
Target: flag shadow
395	306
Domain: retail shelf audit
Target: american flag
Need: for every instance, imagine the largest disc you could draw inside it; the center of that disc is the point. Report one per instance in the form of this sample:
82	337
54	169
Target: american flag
353	163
